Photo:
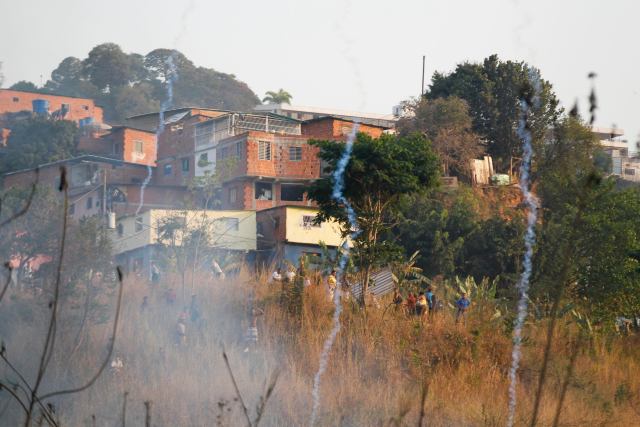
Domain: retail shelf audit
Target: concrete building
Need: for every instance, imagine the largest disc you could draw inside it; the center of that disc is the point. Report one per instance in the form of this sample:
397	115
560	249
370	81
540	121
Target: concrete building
289	232
613	144
137	238
62	107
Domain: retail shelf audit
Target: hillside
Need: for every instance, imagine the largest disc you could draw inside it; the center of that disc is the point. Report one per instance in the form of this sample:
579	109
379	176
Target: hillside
127	84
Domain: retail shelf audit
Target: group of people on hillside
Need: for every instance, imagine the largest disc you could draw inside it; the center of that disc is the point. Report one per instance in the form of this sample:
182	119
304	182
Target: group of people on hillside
426	304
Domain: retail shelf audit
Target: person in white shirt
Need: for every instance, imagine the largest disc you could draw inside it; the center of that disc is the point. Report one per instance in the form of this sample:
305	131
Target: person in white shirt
276	276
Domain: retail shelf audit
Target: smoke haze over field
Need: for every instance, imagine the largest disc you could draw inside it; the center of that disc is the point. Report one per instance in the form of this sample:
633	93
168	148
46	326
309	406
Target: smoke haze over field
566	40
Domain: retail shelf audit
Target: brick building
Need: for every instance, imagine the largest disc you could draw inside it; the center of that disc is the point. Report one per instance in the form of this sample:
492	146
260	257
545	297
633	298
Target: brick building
63	107
273	169
122	143
99	185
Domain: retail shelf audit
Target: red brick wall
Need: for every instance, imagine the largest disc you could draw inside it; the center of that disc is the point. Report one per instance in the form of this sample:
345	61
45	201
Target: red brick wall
272	225
128	138
79	108
154	197
331	128
175	143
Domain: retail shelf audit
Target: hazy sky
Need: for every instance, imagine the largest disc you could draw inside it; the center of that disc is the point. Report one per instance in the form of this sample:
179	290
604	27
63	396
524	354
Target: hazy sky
362	55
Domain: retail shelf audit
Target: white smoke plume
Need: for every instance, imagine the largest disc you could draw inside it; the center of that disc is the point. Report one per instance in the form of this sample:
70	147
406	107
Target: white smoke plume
529	240
338	195
172	76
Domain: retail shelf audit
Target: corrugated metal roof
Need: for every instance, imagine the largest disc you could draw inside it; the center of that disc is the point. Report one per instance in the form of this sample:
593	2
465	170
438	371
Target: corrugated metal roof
381	283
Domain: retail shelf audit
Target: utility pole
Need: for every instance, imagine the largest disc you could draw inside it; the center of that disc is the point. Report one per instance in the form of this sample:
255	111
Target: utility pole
423	61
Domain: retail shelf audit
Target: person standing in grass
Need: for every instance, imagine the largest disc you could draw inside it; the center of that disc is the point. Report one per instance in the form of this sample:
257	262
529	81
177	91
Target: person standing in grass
431	300
462	305
332	283
421	304
411	304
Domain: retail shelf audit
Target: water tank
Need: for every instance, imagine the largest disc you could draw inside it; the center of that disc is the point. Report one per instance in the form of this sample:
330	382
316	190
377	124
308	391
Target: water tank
111	220
87	121
40	106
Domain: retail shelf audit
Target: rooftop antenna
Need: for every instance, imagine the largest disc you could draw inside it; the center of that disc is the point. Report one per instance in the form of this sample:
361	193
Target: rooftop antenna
423	61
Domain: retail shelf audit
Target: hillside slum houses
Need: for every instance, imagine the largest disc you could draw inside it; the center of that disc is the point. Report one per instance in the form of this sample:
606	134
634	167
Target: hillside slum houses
139	175
142	173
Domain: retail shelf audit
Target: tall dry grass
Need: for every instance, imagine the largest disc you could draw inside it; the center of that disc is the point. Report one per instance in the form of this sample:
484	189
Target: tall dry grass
378	366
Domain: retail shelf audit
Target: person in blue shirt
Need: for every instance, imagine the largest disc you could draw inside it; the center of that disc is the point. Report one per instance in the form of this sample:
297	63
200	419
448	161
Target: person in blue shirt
430	299
462	304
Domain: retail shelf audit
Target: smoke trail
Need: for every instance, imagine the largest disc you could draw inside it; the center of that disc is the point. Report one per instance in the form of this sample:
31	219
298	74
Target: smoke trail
171	77
338	196
524	133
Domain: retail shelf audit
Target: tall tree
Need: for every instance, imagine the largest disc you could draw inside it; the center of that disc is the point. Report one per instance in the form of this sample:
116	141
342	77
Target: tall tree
378	173
108	67
39	140
447	123
279	97
493	91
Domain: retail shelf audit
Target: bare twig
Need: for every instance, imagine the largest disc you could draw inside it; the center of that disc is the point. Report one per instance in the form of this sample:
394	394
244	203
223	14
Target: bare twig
6	285
235	386
15	396
27	205
112	341
51	333
423	400
124	409
263	400
147	413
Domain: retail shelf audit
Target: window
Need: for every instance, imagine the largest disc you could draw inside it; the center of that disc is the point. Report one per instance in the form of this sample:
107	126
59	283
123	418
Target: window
204	133
629	171
85	107
231	224
292	192
185	165
295	154
65	107
308	221
264	191
16	99
264	151
168	169
120	229
239	149
138	147
72	208
223	153
89	202
233	195
138	223
117	149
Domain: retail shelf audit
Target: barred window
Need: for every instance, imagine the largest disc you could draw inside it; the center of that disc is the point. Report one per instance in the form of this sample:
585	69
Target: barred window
295	154
264	150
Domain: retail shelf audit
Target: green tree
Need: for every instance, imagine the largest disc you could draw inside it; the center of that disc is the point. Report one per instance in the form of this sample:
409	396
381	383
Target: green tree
128	84
108	67
279	97
379	172
39	140
25	86
493	91
589	232
447	123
